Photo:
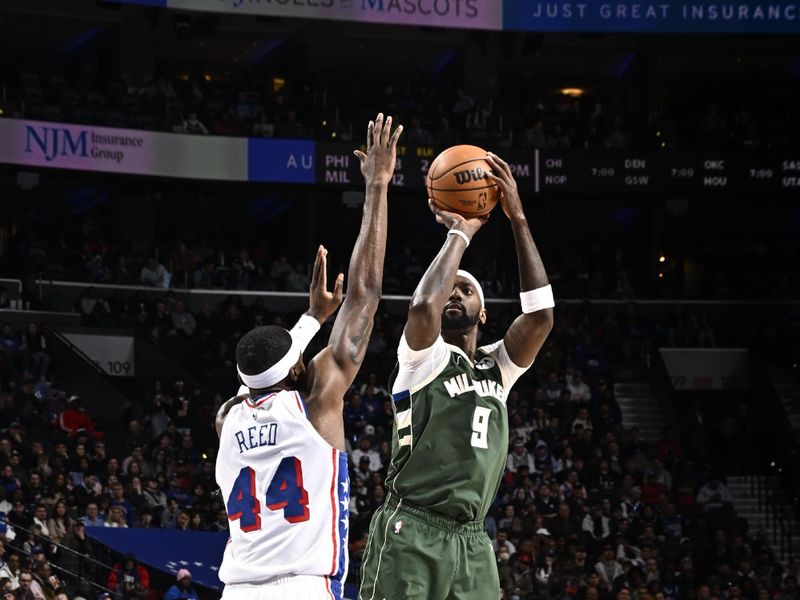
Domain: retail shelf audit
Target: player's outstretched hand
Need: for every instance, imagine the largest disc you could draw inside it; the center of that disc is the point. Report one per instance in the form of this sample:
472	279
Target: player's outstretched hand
322	303
455	221
509	194
377	164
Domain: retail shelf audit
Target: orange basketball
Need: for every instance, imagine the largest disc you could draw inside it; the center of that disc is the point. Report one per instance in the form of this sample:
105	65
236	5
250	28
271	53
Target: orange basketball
457	183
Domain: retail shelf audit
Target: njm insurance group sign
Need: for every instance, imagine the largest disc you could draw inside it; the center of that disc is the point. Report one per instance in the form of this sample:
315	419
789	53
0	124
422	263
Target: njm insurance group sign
85	148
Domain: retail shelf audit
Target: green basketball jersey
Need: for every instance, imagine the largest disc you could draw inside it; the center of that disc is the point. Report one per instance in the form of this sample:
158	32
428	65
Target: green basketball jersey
450	436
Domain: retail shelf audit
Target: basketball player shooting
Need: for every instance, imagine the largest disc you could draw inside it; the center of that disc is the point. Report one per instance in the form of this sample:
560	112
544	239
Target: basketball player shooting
281	465
450	438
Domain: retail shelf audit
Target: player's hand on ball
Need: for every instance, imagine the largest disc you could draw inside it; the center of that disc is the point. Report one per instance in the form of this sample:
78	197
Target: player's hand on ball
377	165
322	302
455	221
509	194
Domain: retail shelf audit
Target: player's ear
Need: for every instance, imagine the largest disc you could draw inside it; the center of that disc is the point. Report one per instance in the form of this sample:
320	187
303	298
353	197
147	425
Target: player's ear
482	316
297	370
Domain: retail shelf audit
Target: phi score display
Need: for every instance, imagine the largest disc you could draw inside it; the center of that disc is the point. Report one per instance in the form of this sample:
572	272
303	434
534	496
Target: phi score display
578	171
336	165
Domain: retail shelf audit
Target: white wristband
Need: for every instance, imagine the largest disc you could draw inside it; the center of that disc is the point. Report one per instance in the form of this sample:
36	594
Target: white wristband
461	234
538	299
304	330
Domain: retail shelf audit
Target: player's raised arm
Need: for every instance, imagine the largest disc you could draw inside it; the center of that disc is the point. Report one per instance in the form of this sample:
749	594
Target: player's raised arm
528	331
333	370
425	311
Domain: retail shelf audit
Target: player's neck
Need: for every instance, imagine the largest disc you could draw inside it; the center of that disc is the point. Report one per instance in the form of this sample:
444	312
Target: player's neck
272	390
467	340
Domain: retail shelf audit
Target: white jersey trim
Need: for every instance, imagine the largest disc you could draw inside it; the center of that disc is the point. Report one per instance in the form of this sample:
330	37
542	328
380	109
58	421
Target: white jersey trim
419	367
509	370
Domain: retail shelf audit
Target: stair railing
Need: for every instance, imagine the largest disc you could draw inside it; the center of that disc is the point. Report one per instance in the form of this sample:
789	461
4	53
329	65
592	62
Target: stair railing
778	518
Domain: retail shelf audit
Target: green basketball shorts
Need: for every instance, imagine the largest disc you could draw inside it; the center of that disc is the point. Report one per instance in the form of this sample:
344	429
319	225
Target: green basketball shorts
415	554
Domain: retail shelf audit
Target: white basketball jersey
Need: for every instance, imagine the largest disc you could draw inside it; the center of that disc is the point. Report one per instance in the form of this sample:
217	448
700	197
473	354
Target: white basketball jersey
286	491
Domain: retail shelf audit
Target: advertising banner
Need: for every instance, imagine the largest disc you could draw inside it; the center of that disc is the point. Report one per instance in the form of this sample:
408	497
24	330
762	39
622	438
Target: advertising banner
89	148
287	161
465	14
658	16
700	369
169	550
112	353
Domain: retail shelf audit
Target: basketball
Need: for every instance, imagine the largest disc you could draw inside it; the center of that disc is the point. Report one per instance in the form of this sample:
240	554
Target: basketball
457	183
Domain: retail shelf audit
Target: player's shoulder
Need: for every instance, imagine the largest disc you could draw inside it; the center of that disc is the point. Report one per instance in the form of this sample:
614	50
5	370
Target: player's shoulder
489	350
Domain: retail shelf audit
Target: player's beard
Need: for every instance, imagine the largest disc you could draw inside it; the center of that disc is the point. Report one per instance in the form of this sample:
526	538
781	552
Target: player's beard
460	321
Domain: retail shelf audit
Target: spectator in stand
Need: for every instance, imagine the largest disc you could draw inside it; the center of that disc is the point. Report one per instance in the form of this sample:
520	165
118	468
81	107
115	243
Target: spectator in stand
291	128
225	125
94	309
183	589
193	125
155	499
60	523
80	545
75	419
607	567
520	457
355	417
11	571
553	387
221	524
154	274
582	421
34	353
546	504
714	495
40	519
365	450
24	591
128	576
118	499
183	321
10	344
596	523
44	583
120	275
263	127
579	391
177	493
116	517
563	525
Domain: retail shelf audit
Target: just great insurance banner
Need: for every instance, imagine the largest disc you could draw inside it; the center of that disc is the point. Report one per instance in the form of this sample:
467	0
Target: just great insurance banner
666	16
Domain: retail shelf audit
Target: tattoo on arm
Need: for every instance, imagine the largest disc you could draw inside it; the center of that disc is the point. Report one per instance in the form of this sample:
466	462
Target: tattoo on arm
358	342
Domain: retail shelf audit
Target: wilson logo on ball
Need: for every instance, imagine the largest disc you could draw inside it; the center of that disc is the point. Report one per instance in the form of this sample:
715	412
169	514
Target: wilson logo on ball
468	175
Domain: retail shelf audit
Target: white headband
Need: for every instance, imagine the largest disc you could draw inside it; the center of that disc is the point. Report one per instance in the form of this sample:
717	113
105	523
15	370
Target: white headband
275	373
474	282
305	329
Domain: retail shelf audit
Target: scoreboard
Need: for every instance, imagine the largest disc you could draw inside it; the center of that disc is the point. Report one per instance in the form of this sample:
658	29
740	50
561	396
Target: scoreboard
587	171
336	165
670	171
